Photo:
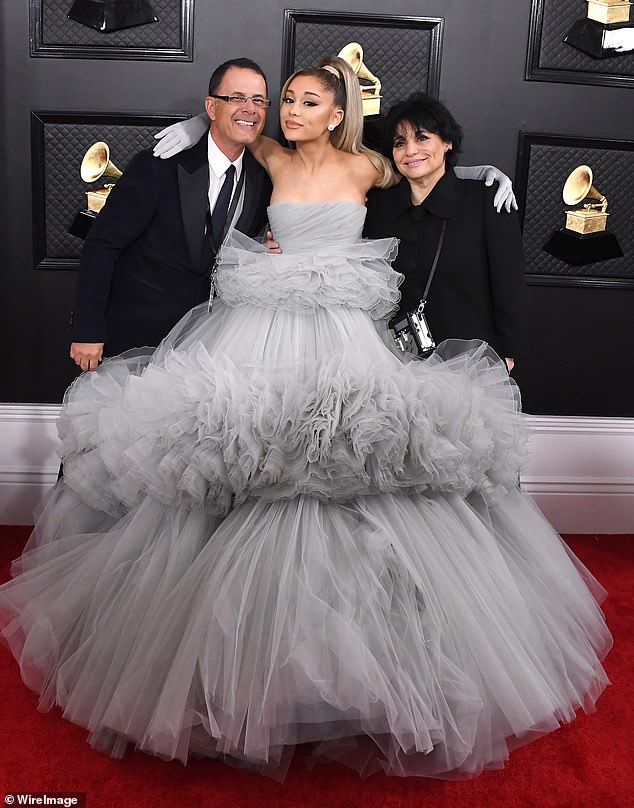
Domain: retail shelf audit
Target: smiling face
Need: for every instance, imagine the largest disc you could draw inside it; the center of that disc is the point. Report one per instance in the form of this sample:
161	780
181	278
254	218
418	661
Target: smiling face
419	154
235	126
306	110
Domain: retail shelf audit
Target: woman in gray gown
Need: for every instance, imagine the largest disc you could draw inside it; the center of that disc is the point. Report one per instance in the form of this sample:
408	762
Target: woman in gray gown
274	531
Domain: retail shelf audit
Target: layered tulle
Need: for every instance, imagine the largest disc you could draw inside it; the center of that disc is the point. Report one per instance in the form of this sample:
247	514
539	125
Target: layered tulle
273	531
356	276
334	428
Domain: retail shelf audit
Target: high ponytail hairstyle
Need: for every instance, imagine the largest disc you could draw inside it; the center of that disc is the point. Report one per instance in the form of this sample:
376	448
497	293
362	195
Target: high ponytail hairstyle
336	76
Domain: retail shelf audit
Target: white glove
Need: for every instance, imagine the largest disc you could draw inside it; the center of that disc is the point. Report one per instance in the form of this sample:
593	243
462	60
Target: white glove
504	196
180	136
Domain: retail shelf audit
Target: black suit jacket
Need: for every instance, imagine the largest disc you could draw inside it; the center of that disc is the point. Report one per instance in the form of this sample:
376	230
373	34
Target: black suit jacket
143	265
477	291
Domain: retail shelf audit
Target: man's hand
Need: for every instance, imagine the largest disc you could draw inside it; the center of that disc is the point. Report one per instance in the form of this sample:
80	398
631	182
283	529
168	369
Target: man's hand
504	196
180	136
86	354
271	245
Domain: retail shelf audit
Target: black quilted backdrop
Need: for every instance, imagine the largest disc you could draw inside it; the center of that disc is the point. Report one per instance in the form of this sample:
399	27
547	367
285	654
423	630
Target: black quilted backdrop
399	58
548	168
59	145
53	34
403	58
554	54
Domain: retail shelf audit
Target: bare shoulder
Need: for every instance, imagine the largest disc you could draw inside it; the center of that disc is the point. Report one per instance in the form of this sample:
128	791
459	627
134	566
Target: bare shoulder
364	169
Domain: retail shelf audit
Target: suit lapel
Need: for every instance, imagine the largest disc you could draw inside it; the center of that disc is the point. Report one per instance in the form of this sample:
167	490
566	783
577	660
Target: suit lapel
193	188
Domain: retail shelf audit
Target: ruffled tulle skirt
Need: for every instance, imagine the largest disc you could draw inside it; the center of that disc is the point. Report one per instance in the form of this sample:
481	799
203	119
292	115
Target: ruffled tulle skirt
271	403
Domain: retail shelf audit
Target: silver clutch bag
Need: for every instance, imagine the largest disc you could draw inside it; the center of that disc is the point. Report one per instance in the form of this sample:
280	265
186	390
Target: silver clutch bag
412	334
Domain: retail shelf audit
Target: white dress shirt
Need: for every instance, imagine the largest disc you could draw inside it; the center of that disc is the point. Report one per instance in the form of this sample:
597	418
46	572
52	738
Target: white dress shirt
218	165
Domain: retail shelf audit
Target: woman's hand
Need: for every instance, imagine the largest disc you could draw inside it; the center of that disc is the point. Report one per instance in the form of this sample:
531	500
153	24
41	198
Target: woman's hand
504	196
510	363
180	136
271	246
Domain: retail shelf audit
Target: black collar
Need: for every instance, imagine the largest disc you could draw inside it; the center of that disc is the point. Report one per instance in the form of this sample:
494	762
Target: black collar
444	201
195	157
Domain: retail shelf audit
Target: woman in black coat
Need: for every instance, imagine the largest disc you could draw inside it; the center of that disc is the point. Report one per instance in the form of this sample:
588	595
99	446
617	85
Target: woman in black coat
478	285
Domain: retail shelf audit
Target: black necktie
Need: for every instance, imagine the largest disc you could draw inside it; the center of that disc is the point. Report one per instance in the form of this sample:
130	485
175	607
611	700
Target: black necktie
219	215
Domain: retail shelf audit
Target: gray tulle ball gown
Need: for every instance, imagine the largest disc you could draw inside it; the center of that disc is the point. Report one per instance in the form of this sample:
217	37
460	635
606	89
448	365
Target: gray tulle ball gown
273	531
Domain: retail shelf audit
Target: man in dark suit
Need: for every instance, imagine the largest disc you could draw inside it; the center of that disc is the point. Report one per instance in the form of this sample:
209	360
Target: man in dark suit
148	257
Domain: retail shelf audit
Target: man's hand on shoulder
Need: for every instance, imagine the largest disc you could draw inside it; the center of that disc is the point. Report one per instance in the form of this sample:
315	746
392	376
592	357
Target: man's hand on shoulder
87	355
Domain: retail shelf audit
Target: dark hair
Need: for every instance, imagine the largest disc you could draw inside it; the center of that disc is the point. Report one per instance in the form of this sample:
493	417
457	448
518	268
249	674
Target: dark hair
422	111
243	63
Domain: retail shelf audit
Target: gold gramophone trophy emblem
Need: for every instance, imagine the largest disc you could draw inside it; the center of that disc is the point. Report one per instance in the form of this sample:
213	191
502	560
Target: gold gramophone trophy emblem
605	30
592	217
584	238
95	164
371	89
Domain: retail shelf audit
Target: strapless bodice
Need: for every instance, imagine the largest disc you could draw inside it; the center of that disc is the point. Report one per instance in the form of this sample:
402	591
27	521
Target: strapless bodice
324	262
305	226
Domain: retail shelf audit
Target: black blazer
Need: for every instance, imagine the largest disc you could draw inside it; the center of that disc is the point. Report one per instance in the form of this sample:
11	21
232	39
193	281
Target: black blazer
143	265
477	291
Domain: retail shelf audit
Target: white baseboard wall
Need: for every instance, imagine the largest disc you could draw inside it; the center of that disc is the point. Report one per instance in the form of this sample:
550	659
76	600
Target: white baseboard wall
580	471
29	459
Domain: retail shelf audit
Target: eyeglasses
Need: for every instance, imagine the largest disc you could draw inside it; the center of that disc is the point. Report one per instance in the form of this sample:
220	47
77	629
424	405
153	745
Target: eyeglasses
240	100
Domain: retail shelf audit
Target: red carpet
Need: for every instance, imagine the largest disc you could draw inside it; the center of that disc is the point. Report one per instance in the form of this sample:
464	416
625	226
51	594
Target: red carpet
585	765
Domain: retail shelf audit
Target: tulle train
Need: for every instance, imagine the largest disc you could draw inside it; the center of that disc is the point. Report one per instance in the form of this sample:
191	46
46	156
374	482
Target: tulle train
420	635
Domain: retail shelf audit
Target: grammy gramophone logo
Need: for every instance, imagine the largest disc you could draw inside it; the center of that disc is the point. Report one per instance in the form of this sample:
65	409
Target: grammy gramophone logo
591	217
368	82
95	164
584	239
